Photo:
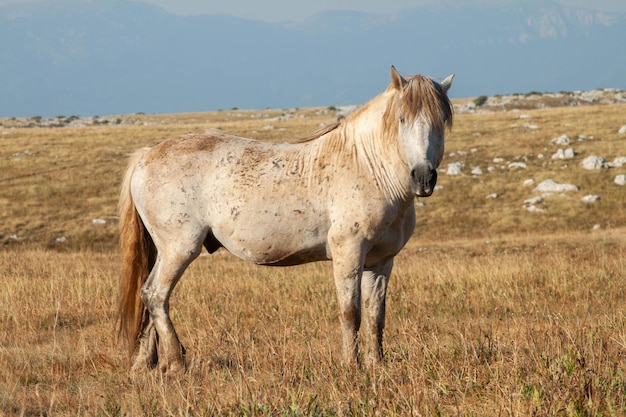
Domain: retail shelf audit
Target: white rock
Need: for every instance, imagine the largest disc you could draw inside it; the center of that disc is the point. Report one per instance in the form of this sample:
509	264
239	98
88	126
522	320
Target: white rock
346	110
564	154
618	162
515	165
534	209
620	179
596	227
533	201
492	196
528	182
562	140
622	130
61	239
498	160
550	186
454	168
590	198
593	162
477	171
98	221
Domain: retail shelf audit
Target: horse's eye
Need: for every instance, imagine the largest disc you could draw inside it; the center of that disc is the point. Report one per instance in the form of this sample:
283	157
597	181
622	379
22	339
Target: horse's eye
401	119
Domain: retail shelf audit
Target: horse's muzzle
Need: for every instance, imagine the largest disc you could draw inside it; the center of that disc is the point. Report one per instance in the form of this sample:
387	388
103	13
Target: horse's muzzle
424	181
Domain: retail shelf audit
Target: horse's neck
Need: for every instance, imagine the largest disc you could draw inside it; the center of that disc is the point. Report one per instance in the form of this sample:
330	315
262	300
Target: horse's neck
363	140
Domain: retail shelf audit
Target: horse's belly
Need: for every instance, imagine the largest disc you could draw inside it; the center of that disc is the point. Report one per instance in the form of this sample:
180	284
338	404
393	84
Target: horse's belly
295	258
277	253
281	242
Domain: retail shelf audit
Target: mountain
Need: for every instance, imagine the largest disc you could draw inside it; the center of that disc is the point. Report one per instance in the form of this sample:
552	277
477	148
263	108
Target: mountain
98	57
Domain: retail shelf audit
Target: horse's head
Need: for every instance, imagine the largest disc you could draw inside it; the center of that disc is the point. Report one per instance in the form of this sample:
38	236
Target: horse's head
420	111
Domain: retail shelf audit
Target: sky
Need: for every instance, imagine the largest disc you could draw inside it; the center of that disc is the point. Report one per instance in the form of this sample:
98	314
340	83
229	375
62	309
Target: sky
284	10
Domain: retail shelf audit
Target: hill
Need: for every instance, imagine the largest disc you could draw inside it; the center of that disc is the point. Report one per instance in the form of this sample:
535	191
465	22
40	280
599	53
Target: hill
77	57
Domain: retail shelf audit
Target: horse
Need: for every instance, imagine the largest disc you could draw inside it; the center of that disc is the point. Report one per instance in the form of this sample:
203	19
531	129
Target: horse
345	194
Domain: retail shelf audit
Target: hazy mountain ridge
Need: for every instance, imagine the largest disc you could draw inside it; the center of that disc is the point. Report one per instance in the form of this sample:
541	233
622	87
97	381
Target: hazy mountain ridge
109	57
558	22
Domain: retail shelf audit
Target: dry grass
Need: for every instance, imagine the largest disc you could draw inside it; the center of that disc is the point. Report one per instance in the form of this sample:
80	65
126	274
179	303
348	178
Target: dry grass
492	309
516	327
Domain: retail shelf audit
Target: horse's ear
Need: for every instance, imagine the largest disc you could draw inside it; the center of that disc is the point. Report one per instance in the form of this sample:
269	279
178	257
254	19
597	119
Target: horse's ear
396	79
447	83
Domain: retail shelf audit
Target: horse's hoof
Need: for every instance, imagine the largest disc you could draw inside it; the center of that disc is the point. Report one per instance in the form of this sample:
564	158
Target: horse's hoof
138	371
142	365
173	368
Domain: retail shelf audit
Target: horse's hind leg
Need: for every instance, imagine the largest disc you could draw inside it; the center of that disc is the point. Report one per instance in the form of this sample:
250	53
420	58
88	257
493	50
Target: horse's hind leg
155	294
146	356
373	291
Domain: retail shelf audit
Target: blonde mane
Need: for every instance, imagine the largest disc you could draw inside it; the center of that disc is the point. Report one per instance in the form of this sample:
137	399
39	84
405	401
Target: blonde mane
420	95
321	132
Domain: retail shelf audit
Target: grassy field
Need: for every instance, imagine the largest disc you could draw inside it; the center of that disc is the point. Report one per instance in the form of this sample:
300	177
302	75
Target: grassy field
493	309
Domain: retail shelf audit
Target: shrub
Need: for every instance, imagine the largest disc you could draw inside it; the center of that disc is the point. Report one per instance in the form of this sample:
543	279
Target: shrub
480	100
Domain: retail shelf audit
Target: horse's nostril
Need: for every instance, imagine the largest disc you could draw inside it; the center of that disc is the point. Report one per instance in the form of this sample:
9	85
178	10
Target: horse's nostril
423	175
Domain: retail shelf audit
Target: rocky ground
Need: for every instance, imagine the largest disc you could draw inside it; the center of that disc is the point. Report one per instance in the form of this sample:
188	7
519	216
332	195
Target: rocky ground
481	104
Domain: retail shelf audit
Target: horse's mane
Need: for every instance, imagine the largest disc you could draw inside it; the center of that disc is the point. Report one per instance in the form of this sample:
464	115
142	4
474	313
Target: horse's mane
320	132
421	95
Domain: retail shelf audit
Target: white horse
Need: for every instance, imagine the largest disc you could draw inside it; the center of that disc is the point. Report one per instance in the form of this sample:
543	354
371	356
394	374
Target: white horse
345	194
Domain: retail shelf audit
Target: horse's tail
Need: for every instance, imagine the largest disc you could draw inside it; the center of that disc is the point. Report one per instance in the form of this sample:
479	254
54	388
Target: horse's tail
138	256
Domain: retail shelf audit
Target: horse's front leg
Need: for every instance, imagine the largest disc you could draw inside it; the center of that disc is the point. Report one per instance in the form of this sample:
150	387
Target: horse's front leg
347	270
373	291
